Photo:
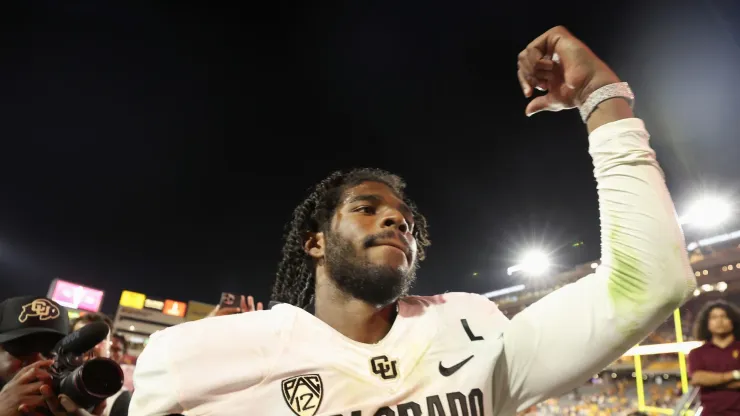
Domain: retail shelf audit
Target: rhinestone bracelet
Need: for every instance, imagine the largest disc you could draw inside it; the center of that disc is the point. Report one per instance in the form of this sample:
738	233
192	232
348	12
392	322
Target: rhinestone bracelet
618	90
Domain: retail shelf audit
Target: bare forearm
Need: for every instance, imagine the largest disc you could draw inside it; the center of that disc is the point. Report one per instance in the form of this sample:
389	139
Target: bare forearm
710	379
609	111
735	385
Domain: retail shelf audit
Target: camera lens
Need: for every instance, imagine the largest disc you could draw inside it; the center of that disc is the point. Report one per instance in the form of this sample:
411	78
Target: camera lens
100	377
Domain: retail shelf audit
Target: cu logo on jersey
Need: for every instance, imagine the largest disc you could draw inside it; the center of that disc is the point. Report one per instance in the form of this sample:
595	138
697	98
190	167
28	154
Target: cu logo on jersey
384	367
303	394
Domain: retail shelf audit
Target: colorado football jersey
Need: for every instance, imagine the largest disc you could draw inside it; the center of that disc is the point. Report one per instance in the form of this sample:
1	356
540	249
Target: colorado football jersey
449	355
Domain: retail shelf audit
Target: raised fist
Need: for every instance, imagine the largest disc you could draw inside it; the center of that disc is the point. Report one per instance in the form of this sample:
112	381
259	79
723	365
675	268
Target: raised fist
560	64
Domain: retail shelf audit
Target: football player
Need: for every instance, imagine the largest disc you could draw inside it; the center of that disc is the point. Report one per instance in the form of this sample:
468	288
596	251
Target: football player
345	339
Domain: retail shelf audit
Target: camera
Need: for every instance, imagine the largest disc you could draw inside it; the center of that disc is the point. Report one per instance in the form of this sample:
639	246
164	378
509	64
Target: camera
87	382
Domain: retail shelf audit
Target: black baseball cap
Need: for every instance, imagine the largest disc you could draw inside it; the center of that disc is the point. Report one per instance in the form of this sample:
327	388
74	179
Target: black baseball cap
29	315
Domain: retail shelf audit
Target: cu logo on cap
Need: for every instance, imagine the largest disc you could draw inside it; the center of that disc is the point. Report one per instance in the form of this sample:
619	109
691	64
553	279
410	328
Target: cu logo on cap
384	367
40	308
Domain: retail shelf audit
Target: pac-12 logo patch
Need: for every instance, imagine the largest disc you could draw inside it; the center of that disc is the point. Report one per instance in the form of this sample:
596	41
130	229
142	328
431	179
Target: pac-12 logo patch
303	394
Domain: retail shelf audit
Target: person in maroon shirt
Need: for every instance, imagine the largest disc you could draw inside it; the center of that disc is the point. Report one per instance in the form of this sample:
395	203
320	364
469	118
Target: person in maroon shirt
715	366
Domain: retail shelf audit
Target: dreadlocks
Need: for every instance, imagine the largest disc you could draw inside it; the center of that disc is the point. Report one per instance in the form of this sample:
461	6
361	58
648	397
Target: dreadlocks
294	283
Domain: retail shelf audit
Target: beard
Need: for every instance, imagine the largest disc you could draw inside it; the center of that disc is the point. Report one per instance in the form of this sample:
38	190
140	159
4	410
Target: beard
375	284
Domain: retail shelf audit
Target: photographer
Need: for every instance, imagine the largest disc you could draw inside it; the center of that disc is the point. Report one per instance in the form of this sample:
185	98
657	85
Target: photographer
30	327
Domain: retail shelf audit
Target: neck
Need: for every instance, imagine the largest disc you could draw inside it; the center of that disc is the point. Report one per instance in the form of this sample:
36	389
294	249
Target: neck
723	340
351	317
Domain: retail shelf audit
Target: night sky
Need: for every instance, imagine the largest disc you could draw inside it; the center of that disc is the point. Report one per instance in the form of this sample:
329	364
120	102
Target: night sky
161	149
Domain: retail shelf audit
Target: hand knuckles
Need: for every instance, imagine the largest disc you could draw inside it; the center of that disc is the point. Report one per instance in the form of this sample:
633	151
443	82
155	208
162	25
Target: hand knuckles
559	29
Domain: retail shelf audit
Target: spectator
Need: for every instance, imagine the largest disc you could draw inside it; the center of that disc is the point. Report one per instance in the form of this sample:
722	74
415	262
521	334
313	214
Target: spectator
715	366
102	349
30	327
246	305
118	348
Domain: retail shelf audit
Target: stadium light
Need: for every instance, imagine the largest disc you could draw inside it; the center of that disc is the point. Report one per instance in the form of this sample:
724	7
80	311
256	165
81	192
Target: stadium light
504	291
713	240
533	263
707	212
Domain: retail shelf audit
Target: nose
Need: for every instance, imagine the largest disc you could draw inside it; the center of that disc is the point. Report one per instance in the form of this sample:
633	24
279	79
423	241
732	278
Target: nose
394	219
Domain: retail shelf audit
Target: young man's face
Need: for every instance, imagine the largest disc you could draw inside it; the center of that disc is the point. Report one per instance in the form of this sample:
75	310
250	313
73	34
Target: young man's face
116	349
370	251
21	352
9	365
719	323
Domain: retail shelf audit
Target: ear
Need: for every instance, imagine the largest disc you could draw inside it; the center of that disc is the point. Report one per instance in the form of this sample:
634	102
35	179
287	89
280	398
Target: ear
314	245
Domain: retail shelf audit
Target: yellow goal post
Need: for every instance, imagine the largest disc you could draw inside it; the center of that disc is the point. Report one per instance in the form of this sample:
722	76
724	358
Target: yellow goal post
680	347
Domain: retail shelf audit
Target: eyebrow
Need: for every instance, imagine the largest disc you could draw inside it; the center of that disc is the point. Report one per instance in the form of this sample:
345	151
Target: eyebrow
377	199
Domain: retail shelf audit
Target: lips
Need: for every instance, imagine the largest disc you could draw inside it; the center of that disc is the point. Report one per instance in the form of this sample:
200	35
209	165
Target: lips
397	245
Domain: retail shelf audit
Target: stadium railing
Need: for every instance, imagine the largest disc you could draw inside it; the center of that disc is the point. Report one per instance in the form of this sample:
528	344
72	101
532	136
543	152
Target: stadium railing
689	404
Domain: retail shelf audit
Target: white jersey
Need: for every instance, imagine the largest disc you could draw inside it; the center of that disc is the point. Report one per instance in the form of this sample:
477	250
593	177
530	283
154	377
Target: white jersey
454	354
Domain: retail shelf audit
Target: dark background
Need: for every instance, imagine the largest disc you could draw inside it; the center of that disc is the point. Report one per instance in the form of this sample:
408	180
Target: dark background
161	148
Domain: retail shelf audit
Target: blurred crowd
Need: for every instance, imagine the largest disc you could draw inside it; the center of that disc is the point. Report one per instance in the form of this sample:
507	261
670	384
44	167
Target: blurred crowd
610	398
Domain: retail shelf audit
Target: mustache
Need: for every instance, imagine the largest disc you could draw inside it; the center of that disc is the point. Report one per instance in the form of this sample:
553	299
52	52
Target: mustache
372	240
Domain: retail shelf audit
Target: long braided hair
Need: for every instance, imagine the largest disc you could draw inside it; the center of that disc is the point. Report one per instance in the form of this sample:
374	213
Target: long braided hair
295	279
